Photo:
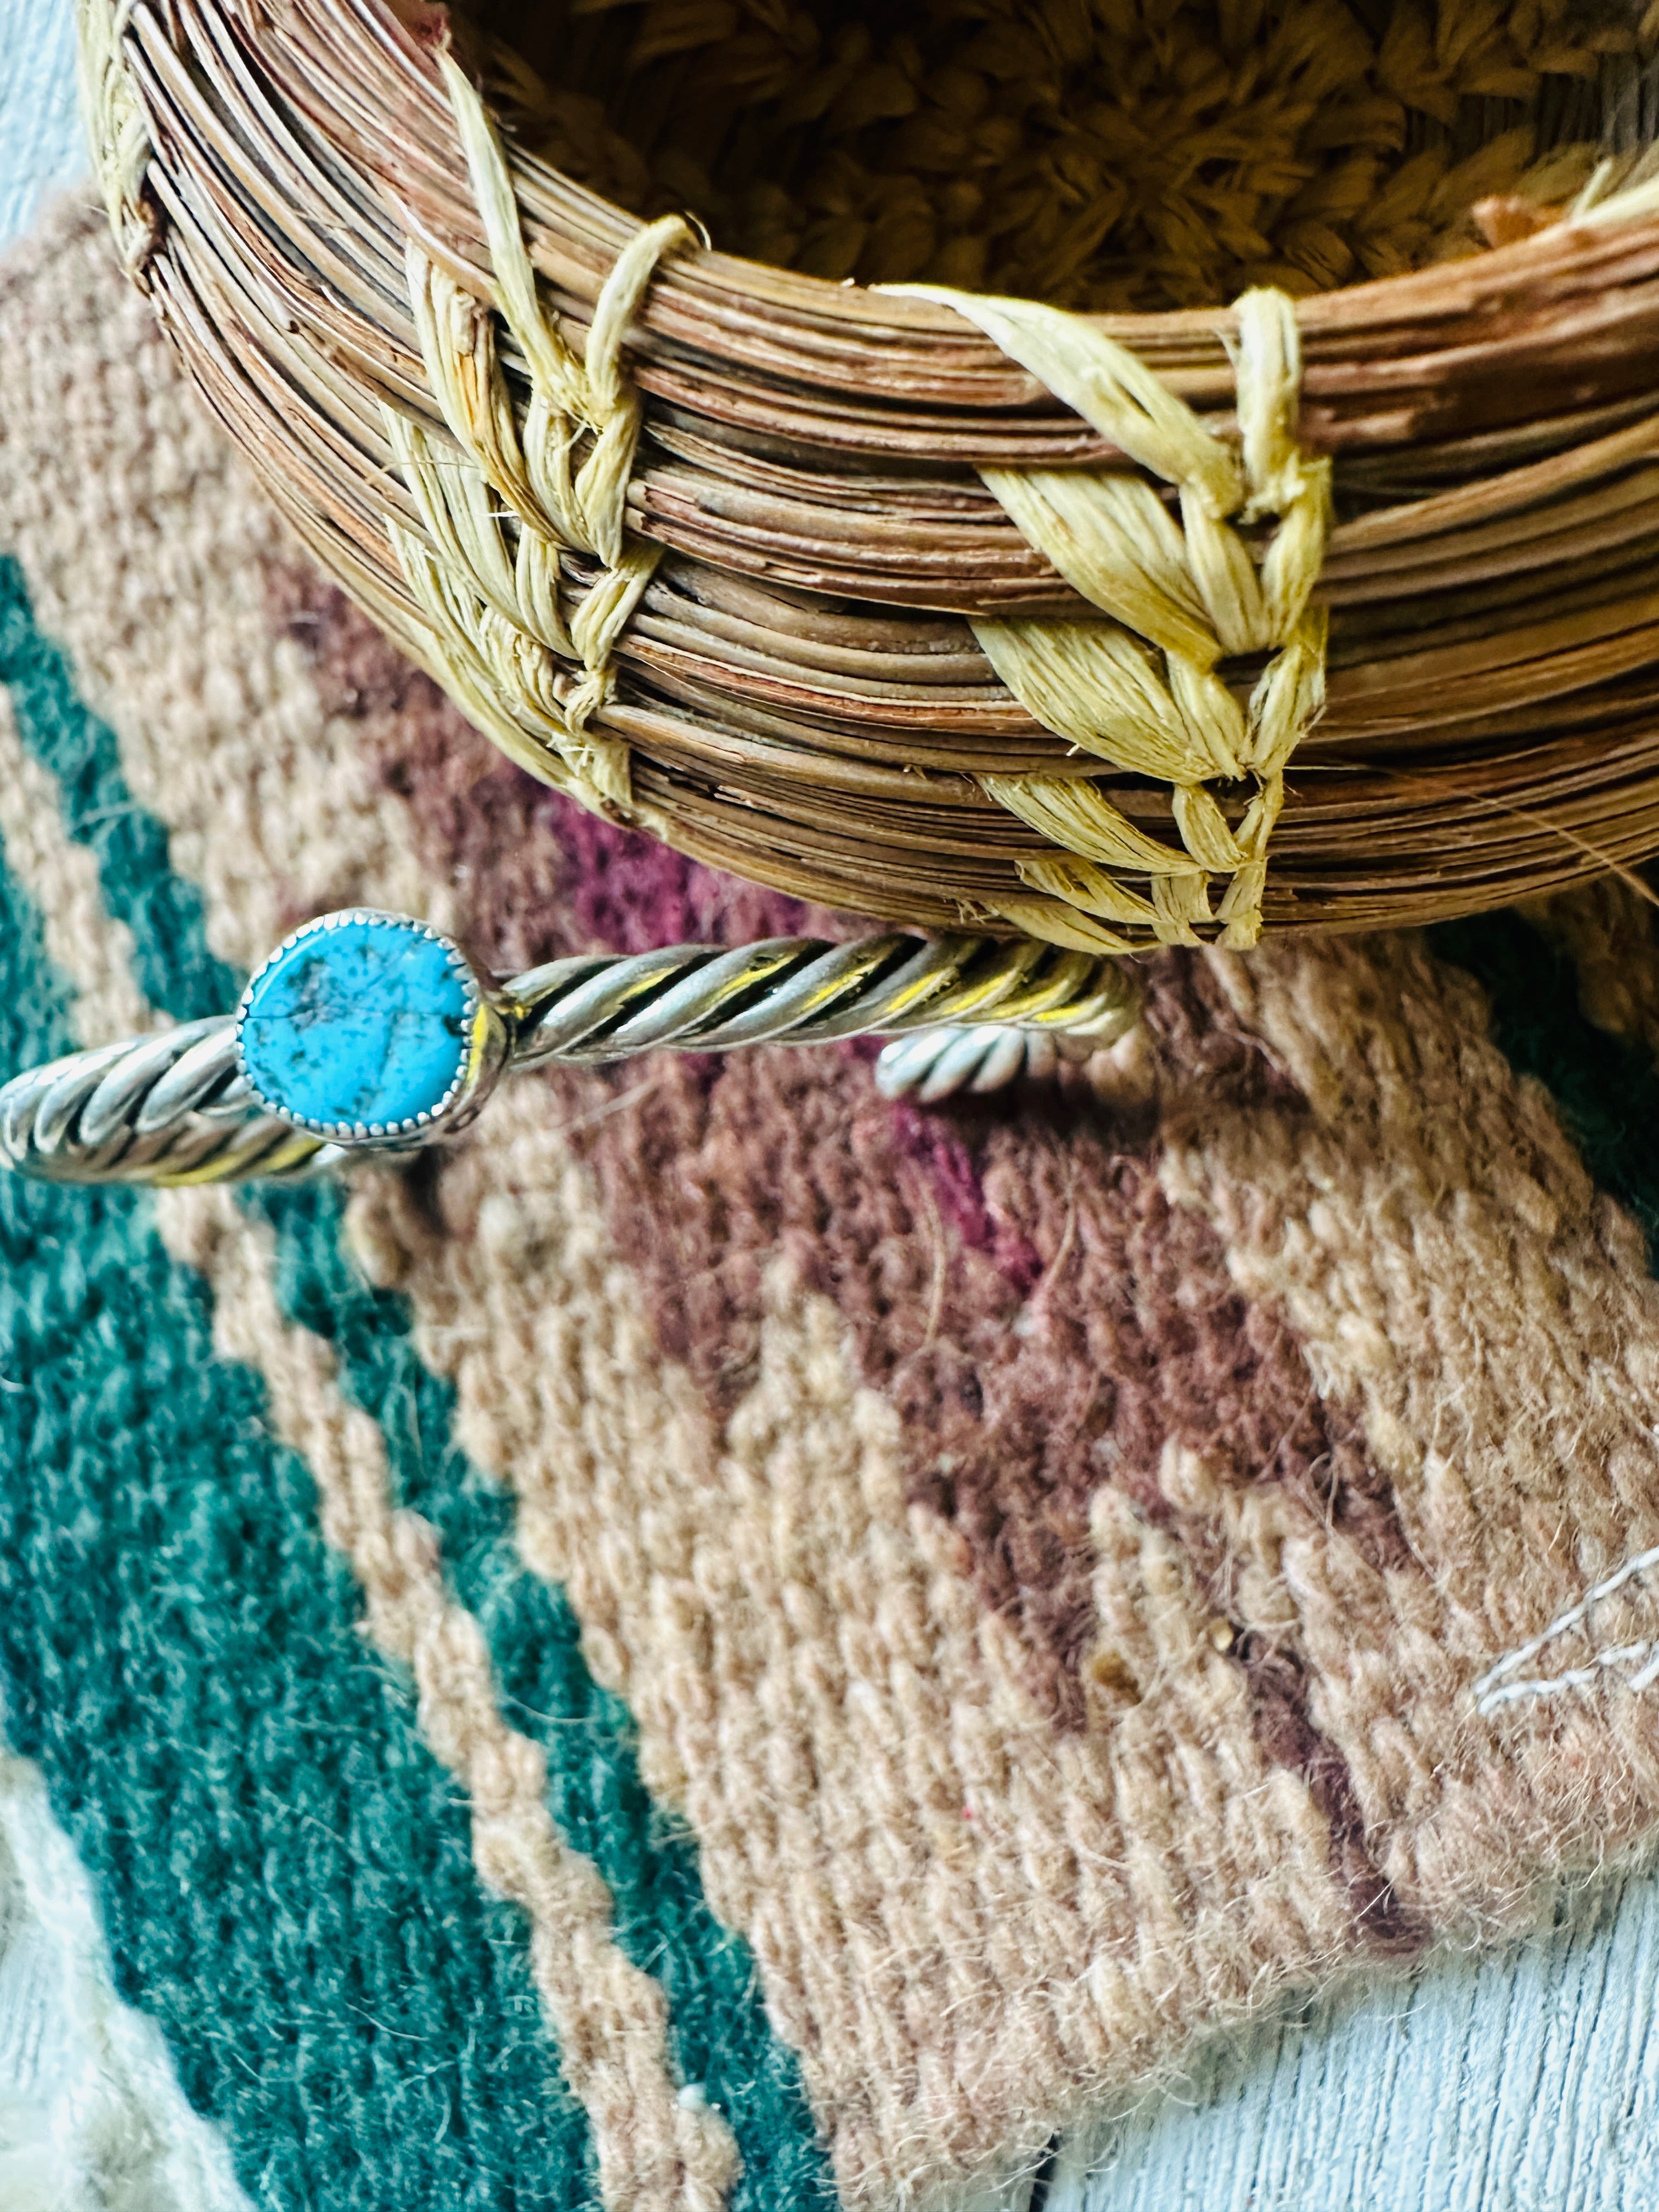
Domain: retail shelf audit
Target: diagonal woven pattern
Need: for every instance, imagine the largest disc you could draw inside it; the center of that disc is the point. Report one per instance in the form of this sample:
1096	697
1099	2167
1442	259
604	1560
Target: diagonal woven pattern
724	1643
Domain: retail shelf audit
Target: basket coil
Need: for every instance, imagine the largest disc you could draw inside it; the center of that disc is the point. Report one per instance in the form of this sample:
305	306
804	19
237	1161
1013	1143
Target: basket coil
1114	631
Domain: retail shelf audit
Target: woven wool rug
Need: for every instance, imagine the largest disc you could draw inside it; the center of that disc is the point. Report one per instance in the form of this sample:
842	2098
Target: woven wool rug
721	1643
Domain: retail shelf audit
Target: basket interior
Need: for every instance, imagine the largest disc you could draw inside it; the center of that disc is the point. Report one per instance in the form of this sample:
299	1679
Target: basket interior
1098	153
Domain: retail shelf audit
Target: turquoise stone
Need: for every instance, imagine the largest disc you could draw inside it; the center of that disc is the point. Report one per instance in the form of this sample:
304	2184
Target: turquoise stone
363	1023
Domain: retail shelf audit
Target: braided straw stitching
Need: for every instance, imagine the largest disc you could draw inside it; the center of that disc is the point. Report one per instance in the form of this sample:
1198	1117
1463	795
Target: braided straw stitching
1194	592
116	127
489	584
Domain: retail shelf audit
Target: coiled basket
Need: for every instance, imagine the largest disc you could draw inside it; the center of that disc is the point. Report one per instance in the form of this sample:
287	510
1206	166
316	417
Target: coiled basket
959	557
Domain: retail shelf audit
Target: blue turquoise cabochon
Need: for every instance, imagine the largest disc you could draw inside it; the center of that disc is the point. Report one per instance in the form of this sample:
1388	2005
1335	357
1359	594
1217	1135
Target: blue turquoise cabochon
363	1021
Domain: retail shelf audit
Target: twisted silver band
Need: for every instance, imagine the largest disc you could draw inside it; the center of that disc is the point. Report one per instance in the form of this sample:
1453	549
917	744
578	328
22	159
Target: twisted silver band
177	1107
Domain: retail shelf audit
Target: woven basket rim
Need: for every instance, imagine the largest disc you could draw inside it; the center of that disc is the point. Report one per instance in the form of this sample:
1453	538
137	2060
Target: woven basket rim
811	446
1187	346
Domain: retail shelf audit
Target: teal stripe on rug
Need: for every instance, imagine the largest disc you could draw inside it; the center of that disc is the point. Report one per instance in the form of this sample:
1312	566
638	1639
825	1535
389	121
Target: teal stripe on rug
719	2029
1605	1089
175	970
717	2020
285	1871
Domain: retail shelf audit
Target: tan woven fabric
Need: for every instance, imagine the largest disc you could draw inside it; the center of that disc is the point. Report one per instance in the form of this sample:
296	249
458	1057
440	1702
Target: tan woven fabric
1049	1553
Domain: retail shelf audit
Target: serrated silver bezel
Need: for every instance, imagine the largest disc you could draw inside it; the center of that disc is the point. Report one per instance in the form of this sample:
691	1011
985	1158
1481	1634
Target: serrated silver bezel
478	1062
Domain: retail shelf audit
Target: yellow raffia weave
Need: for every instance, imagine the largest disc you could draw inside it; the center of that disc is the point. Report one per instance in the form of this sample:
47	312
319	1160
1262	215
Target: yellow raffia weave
492	599
115	126
1142	689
